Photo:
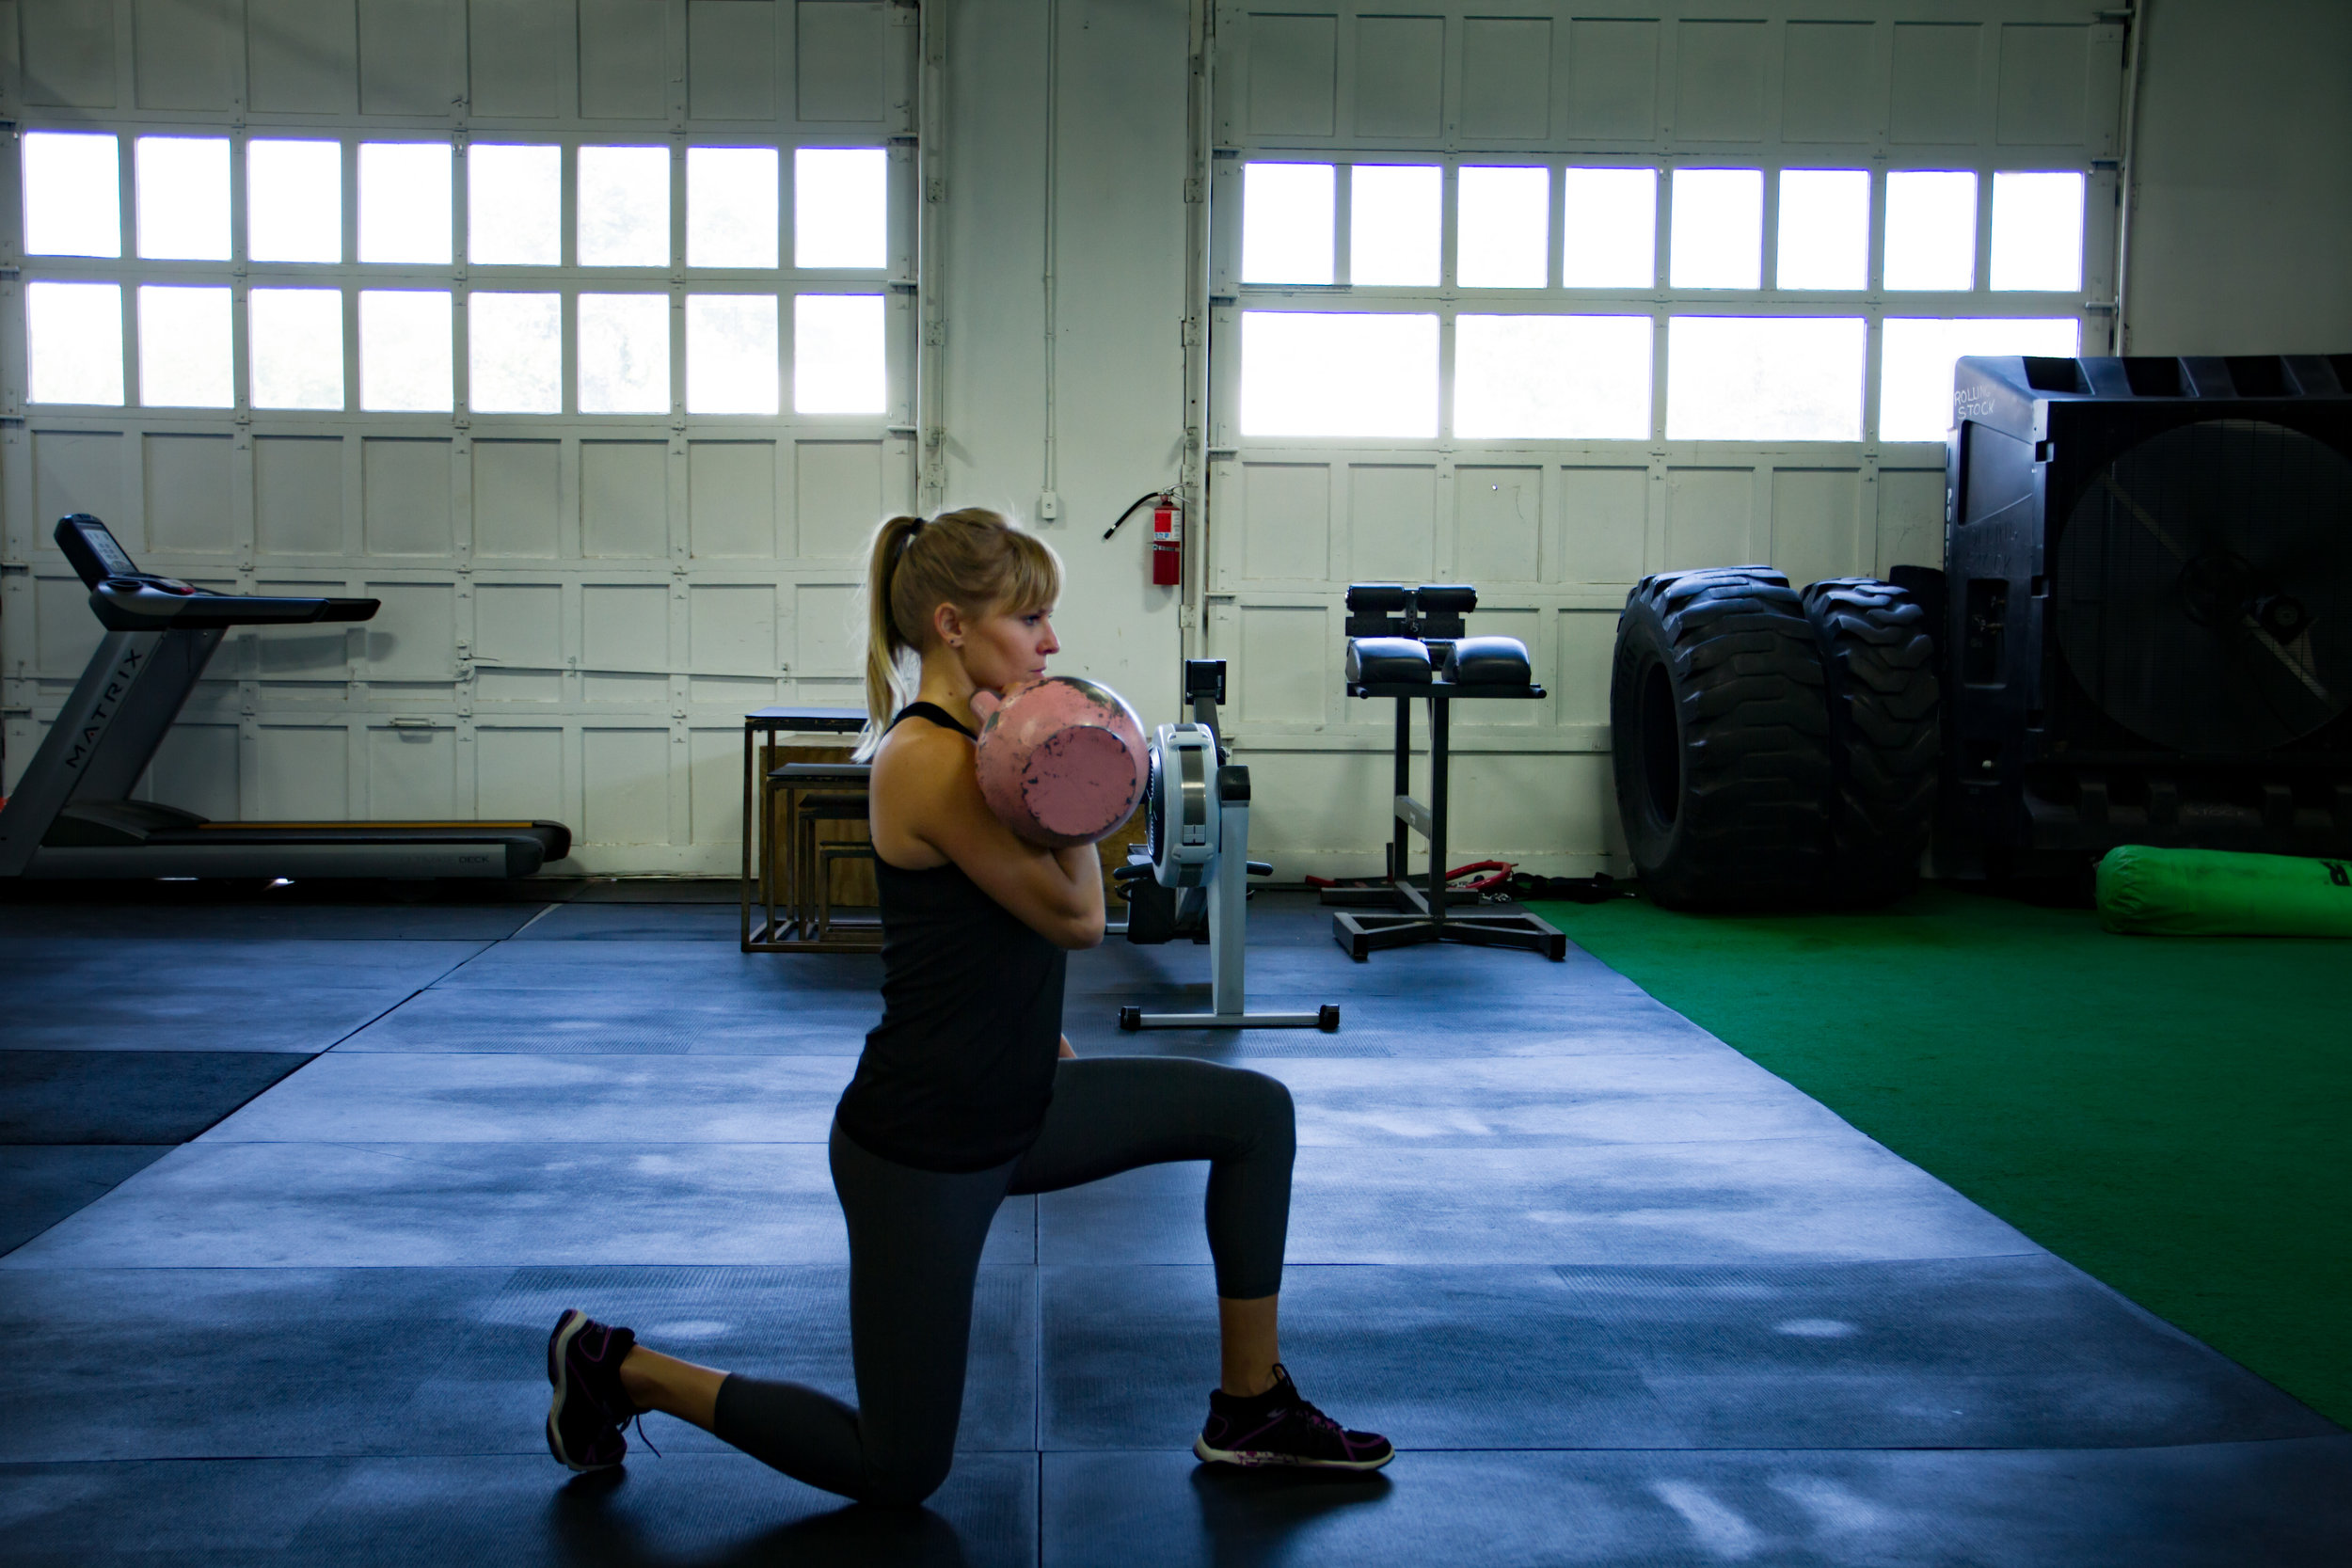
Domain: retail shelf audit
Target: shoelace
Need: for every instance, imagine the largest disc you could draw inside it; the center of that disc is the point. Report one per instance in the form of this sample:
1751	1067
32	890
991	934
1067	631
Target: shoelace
643	1438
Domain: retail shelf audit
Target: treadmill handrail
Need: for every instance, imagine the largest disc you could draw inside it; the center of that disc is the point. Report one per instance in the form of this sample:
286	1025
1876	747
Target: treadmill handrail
150	603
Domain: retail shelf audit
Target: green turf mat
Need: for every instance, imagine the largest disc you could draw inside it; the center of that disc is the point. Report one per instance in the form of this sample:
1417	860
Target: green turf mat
2169	1113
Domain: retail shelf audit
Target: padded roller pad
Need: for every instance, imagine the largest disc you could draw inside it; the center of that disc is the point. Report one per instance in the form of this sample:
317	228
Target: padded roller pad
1372	659
1489	661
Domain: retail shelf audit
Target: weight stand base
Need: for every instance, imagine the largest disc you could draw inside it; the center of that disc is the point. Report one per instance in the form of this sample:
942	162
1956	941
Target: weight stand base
1362	935
1326	1019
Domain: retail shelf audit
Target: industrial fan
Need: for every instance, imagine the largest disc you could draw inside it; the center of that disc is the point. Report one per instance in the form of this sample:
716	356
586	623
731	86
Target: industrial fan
2149	608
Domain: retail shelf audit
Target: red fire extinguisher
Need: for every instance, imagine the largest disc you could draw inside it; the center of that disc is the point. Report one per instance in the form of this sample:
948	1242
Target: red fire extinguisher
1167	542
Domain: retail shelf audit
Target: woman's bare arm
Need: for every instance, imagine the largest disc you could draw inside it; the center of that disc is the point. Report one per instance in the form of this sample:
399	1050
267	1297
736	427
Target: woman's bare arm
927	810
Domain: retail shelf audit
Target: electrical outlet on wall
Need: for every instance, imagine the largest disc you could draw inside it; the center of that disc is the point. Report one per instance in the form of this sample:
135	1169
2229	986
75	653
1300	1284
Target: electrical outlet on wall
1049	507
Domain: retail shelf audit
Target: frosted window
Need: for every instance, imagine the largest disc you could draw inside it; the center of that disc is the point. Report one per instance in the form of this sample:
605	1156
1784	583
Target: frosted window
1764	378
624	354
404	359
185	348
1931	230
296	339
838	355
293	200
182	198
515	206
72	195
2037	232
1717	238
1553	376
731	206
1609	228
731	354
1915	369
1503	229
1313	375
73	341
1286	223
403	201
1824	229
840	207
515	352
624	207
1394	230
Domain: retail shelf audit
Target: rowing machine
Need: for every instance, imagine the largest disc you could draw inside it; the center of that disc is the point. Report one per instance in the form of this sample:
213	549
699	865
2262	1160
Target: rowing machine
1191	876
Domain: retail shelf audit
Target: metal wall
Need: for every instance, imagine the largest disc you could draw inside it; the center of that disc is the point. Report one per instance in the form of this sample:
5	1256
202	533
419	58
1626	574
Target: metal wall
578	610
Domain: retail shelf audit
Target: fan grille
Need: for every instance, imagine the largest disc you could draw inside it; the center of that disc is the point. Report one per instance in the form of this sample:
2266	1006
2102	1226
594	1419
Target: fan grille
2203	587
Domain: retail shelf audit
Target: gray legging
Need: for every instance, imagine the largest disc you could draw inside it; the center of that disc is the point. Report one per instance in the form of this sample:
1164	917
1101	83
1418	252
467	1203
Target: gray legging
915	1248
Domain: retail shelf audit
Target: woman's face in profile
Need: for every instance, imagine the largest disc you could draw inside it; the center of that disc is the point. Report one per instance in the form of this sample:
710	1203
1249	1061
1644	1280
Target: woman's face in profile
1003	651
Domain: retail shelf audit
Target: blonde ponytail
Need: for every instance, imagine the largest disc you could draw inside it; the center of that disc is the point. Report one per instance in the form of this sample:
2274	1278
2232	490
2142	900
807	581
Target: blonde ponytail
973	559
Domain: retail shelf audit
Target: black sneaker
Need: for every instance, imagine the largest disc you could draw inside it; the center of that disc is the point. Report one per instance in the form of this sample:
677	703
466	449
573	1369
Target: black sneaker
589	1409
1278	1427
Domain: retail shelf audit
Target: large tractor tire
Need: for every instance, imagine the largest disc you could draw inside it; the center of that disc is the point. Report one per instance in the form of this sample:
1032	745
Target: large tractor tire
1721	733
1877	657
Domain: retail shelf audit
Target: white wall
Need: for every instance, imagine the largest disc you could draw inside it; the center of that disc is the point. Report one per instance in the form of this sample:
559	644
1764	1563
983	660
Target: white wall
1119	134
2242	232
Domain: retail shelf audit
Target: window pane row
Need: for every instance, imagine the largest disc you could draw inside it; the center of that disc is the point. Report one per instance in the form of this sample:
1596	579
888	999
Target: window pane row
1572	377
1608	234
405	202
407	344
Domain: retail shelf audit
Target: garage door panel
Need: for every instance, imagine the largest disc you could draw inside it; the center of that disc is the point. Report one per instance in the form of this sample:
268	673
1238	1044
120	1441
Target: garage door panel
412	773
1606	523
73	471
1831	81
298	495
1817	525
732	642
404	497
1507	77
188	494
303	773
1910	518
517	500
828	630
1400	80
731	499
1612	79
1709	517
1498	525
1391	521
624	498
1285	665
838	46
837	497
519	642
628	778
302	56
519	774
1293	74
1286	520
624	643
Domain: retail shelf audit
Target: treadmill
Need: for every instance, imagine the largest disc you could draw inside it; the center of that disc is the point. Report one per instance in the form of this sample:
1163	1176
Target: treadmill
70	814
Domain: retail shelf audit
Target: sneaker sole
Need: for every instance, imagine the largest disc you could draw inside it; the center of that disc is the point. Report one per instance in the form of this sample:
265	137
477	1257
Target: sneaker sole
1254	1459
567	1328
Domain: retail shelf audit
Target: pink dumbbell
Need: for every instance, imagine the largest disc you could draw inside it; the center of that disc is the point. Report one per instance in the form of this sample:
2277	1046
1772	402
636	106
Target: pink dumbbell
1062	761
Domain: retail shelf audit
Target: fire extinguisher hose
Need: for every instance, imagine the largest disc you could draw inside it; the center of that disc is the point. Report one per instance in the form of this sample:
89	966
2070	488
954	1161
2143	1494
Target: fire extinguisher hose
1135	506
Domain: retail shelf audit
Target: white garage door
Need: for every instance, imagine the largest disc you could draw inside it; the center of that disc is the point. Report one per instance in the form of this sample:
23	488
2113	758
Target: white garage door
576	331
1544	303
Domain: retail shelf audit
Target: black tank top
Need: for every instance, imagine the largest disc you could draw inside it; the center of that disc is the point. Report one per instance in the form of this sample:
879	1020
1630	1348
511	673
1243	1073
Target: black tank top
957	1075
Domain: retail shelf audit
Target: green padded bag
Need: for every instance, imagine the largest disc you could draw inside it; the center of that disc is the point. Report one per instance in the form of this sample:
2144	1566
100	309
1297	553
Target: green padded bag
2214	893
